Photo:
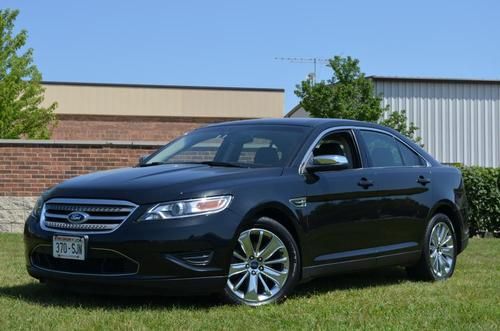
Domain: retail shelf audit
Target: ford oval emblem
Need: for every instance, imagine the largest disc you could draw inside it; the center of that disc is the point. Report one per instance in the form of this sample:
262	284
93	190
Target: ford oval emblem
78	217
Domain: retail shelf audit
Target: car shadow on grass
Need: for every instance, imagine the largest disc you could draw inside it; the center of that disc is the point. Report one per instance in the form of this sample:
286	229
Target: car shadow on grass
42	294
351	281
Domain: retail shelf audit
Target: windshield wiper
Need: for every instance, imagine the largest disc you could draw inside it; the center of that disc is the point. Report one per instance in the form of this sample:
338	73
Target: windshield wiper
151	164
209	163
219	164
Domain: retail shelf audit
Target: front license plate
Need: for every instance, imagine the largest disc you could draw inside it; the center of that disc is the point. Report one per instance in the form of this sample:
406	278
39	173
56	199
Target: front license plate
72	248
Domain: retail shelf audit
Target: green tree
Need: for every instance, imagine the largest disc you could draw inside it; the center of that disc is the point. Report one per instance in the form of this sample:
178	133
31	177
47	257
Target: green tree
21	94
350	94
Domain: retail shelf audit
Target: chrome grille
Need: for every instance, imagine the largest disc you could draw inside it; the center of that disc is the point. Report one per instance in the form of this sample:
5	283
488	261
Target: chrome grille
102	216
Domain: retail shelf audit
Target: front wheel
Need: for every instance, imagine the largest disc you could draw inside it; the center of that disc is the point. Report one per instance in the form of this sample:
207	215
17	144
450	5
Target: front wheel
439	253
265	265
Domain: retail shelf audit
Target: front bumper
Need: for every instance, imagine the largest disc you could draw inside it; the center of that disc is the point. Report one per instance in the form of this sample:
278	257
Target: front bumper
176	256
130	285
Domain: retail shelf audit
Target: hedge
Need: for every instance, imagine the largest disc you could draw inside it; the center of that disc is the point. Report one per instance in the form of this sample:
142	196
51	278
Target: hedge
482	186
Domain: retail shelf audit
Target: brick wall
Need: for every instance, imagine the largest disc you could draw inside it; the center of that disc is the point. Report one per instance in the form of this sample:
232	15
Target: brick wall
138	128
29	167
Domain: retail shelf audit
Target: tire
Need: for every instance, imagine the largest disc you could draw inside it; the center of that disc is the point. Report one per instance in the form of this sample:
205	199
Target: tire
439	252
252	279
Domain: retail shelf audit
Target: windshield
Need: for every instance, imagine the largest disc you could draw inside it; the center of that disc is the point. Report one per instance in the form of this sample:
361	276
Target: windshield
237	145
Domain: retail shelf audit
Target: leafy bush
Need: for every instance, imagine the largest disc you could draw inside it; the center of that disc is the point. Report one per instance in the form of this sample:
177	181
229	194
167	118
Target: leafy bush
482	186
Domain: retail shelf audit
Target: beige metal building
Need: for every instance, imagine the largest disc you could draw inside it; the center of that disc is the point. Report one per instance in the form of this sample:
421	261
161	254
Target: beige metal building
459	119
88	111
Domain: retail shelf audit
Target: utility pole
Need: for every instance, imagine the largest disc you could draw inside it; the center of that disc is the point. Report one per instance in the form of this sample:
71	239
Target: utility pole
314	60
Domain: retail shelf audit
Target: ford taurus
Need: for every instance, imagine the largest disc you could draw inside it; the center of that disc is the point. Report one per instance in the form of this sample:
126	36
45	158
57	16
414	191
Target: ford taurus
251	208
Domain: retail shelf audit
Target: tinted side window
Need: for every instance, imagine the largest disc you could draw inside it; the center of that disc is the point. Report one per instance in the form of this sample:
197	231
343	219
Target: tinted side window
382	149
410	158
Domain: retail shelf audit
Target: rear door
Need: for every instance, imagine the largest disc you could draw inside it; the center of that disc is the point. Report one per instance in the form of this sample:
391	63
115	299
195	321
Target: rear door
403	182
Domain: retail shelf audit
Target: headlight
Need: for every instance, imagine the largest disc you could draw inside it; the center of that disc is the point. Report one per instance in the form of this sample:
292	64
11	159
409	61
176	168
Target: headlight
37	209
187	208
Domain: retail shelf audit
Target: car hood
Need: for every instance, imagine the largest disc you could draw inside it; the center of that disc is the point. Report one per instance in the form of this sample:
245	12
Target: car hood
145	185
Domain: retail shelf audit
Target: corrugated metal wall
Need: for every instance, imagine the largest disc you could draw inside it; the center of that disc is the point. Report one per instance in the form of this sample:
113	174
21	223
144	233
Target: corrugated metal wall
458	121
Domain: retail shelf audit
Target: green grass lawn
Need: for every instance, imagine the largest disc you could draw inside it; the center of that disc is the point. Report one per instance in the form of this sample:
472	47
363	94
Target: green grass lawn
383	299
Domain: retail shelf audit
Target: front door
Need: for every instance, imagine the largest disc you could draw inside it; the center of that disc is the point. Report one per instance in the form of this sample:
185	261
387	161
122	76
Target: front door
342	213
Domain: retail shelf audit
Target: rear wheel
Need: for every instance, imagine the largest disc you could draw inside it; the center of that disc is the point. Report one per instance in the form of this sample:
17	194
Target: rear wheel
265	265
439	253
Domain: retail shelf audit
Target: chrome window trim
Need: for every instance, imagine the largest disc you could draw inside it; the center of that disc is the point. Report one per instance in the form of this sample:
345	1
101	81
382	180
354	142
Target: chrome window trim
308	154
85	202
86	273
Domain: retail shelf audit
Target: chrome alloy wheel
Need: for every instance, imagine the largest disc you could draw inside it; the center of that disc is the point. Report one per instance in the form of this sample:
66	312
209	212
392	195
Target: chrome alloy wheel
259	267
441	249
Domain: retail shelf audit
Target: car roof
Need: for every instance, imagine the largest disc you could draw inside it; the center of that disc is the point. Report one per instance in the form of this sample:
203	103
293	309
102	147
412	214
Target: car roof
309	122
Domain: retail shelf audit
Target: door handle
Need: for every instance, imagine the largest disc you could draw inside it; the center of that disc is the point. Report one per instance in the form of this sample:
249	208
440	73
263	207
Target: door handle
365	183
423	180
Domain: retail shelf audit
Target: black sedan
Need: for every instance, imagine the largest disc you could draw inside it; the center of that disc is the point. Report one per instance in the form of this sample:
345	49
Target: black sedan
251	208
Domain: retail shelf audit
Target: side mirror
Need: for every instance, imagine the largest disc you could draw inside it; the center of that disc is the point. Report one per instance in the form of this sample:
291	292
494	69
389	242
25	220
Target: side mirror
142	159
328	163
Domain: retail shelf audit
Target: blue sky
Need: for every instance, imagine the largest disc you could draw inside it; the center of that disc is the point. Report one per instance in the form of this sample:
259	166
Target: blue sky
234	43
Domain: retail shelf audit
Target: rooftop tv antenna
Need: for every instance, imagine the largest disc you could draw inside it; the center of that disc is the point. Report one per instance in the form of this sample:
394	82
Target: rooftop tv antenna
314	60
